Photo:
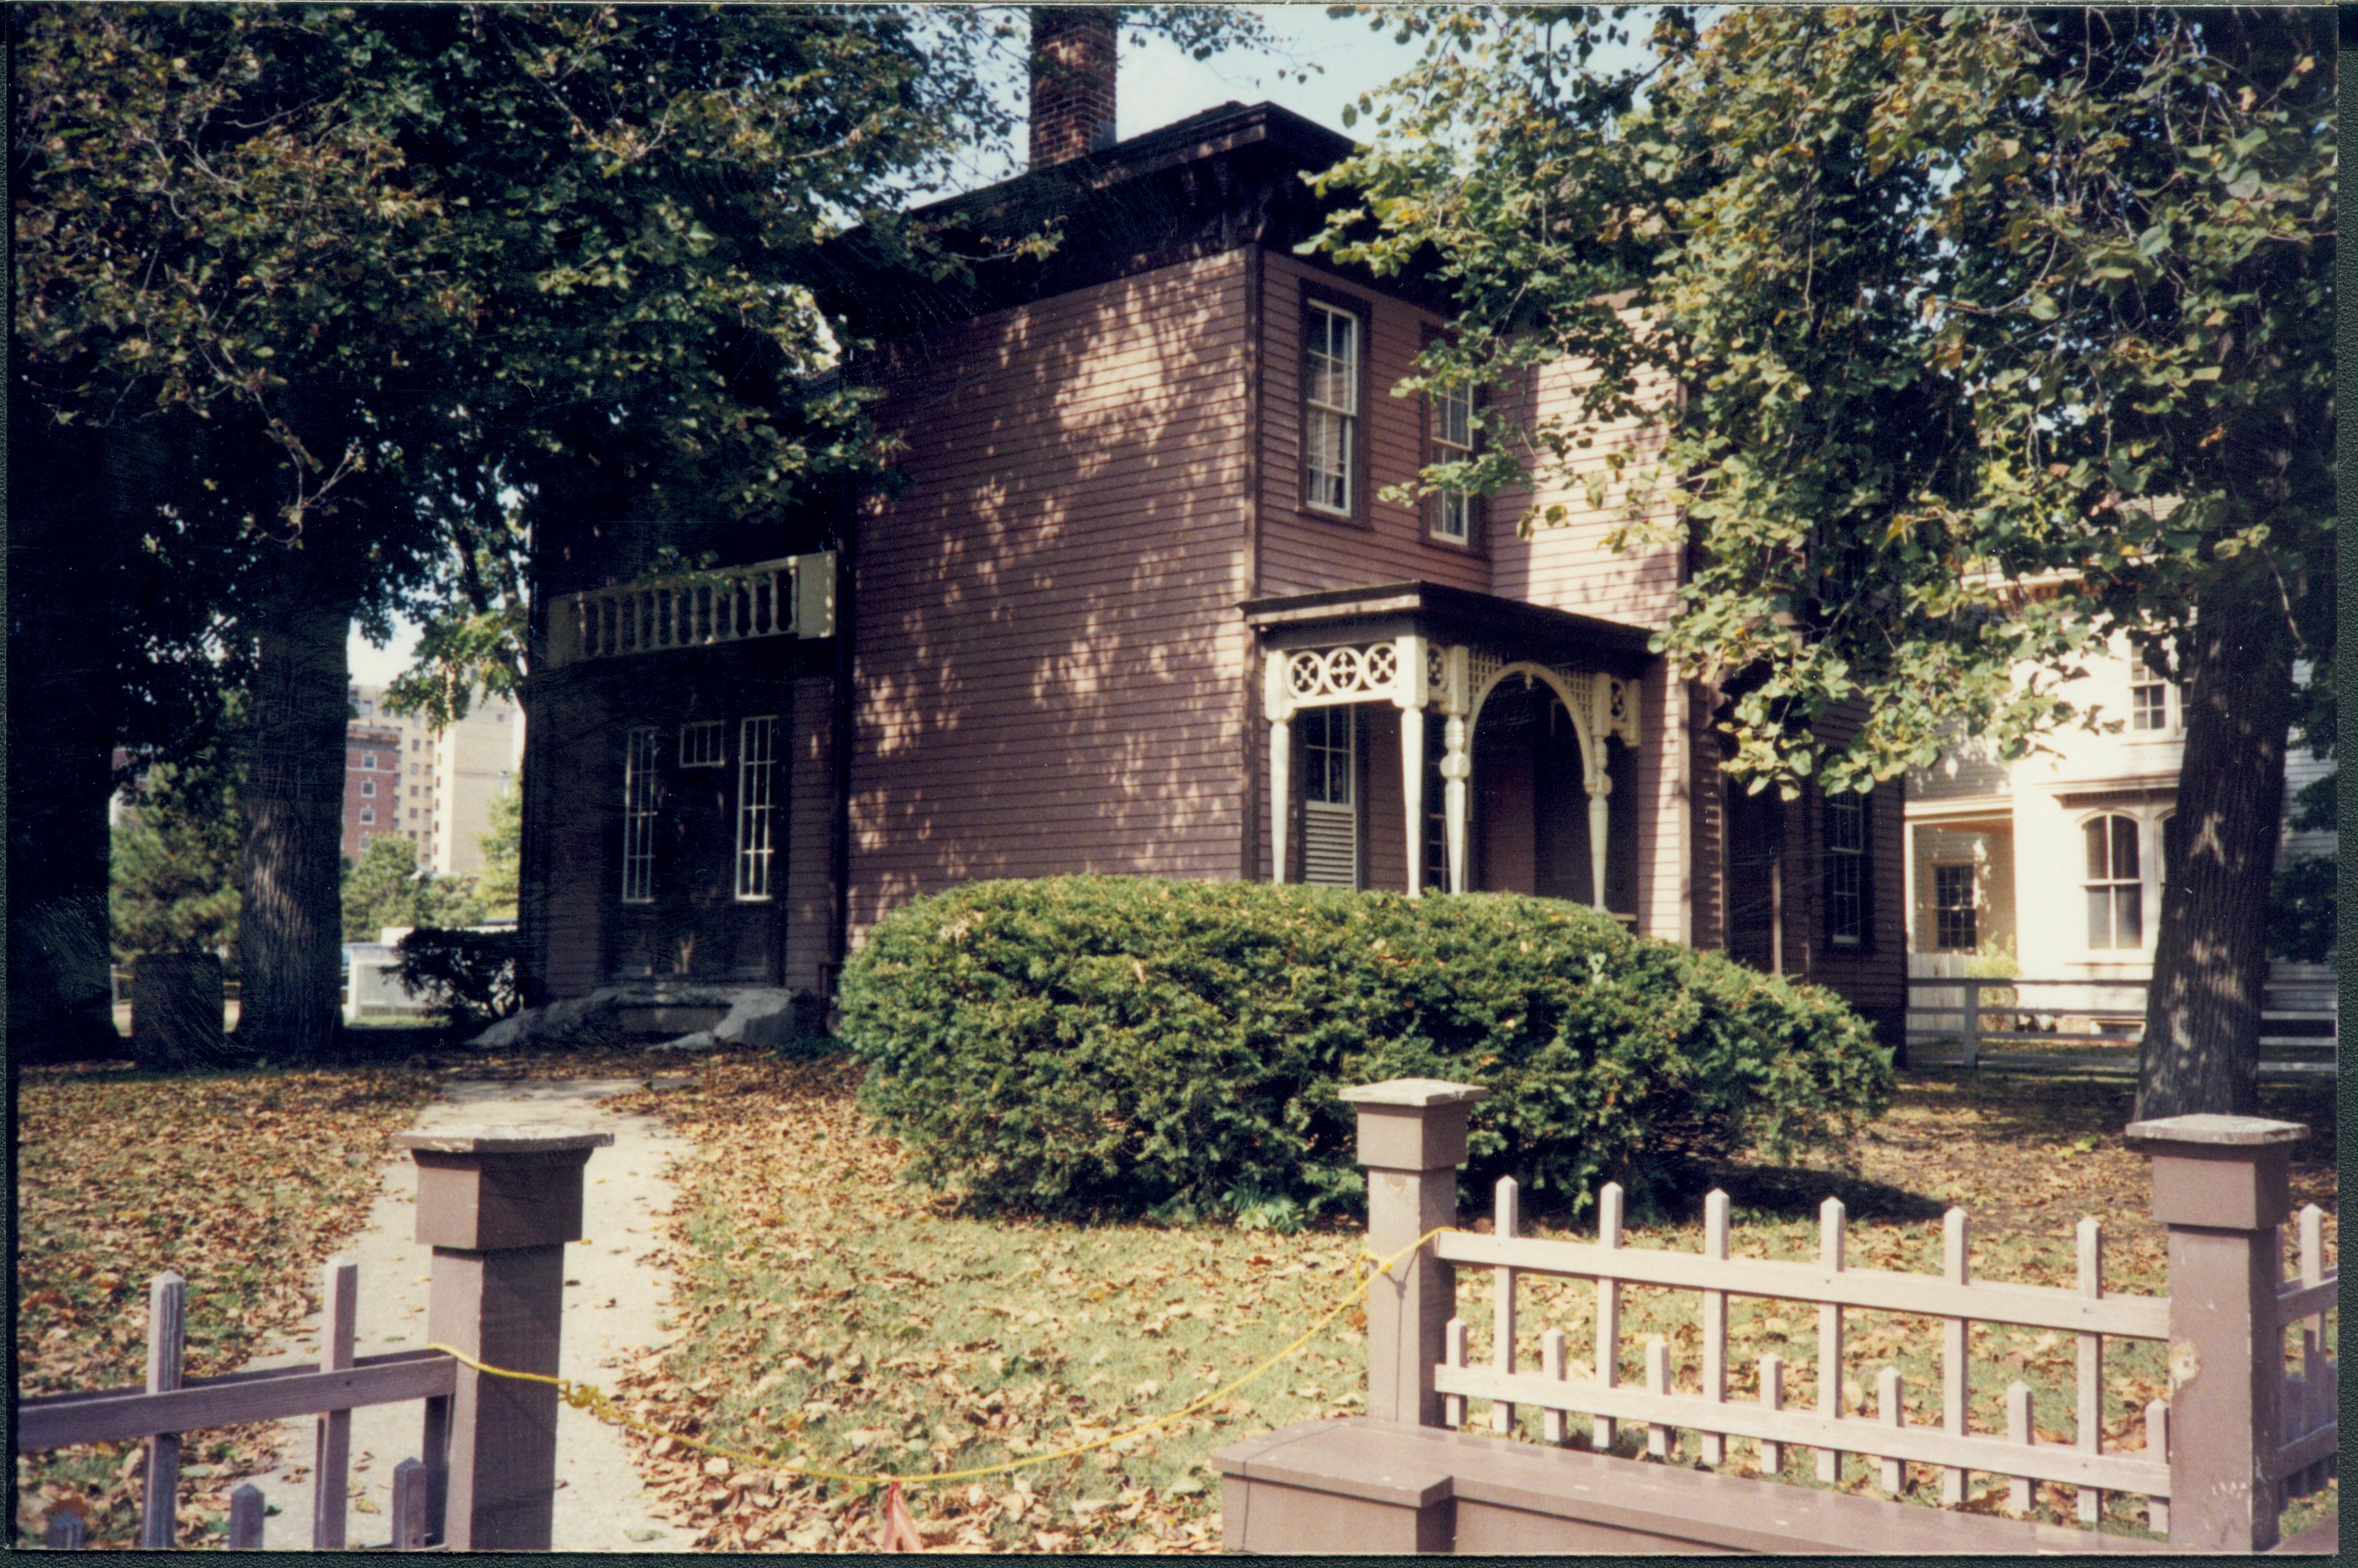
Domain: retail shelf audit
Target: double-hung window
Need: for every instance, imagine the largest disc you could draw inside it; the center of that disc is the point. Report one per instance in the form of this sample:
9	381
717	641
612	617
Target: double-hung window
2115	891
639	816
2148	706
1453	511
1330	411
756	753
1954	929
1847	868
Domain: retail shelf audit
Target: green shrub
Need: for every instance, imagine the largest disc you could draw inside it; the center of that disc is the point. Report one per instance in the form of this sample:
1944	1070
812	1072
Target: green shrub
470	976
1096	1045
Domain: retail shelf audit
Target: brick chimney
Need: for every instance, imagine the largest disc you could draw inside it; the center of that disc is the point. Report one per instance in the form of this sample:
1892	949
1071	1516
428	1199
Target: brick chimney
1072	51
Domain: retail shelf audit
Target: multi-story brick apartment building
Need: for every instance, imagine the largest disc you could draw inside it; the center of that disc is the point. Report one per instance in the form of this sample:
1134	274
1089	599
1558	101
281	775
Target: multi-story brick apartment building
1140	606
433	786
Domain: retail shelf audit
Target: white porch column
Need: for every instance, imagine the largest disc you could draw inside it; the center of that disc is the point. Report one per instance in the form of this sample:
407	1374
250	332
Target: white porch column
1456	767
1412	794
1409	693
1599	781
1280	773
1600	786
1277	703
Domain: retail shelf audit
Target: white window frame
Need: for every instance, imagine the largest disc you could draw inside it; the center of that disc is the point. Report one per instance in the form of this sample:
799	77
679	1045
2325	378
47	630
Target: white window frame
364	839
1847	806
2114	884
640	750
1453	510
368	759
1336	375
704	744
368	816
2164	710
1972	906
368	787
1330	807
757	772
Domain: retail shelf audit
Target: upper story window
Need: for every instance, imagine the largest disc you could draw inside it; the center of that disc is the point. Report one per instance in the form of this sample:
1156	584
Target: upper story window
368	759
2148	706
1453	511
368	787
1847	868
2115	891
1330	409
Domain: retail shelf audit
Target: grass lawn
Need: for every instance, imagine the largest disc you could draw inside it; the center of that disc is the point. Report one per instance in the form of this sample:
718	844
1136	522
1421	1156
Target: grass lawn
830	1315
242	1182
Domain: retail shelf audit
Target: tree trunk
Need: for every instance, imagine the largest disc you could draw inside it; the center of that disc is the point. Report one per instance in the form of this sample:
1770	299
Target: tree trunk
64	708
2209	961
290	922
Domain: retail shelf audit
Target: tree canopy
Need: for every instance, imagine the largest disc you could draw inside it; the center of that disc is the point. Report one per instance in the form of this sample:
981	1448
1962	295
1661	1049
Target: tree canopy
1974	340
1953	303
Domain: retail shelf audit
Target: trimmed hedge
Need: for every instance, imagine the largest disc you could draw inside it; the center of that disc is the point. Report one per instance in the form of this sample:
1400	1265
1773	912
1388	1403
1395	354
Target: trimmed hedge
1128	1046
468	975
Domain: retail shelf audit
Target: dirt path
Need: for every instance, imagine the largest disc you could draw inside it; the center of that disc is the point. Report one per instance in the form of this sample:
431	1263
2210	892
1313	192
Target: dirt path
612	1318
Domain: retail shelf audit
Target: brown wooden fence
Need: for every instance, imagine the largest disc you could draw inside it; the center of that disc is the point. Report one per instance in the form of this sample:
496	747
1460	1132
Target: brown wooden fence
496	1204
2236	1410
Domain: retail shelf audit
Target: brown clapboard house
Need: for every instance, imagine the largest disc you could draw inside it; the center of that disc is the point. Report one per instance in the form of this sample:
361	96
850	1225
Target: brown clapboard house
1137	605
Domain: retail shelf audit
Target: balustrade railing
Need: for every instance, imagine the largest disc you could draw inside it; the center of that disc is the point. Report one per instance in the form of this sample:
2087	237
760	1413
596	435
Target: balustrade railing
793	596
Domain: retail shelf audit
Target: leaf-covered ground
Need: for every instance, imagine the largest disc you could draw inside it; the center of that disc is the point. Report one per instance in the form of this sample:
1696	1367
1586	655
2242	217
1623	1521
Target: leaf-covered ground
244	1183
831	1316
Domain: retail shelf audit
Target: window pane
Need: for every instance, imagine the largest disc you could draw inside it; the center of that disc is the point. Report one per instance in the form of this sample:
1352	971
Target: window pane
2124	848
2099	917
2099	864
2128	917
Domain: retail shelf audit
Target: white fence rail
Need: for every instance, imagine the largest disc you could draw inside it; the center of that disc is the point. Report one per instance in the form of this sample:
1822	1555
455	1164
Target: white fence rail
2300	1025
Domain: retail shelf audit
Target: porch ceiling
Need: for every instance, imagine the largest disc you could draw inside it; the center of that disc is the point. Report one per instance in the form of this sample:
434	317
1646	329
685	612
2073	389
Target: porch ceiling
1508	627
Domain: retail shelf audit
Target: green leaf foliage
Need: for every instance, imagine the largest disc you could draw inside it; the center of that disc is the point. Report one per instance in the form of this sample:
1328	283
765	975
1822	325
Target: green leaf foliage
174	865
1974	337
2302	918
503	842
1108	1044
387	887
470	976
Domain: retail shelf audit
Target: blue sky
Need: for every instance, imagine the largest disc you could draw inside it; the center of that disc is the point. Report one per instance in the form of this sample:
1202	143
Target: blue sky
1158	84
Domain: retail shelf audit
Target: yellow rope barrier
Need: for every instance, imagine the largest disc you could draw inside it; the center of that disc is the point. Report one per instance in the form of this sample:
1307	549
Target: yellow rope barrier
596	1402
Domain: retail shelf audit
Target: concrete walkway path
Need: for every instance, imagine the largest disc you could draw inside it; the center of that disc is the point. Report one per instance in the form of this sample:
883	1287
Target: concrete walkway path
611	1319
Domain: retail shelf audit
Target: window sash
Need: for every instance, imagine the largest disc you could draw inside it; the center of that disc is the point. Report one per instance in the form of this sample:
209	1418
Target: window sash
1331	408
1327	756
640	752
704	744
756	769
1845	869
2149	706
1955	924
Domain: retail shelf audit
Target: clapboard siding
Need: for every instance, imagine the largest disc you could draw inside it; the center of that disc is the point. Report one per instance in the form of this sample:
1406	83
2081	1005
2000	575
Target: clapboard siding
1871	977
1300	550
569	737
1566	566
1049	671
810	815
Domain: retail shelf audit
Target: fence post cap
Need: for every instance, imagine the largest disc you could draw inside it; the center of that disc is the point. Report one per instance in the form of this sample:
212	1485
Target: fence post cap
499	1138
1414	1094
2216	1131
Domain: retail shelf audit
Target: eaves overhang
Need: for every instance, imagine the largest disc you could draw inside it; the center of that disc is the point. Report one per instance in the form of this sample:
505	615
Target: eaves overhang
1512	627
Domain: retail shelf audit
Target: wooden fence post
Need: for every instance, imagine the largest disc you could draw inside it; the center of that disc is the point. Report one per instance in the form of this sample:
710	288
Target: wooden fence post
1973	989
2220	1183
168	1297
497	1205
1411	1140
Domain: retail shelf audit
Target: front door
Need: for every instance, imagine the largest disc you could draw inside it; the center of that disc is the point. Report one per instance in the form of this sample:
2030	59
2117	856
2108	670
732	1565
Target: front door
697	864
